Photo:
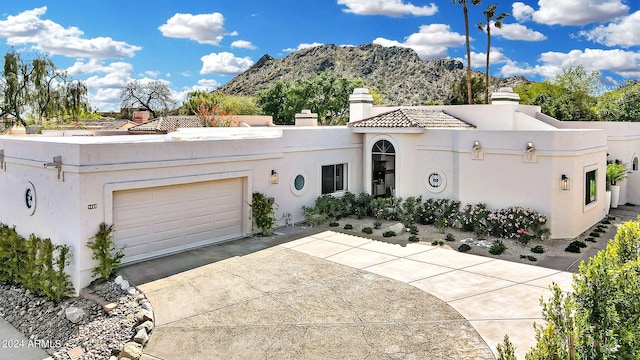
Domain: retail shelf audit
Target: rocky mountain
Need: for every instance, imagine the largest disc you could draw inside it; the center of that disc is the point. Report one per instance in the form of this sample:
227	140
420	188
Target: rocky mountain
396	72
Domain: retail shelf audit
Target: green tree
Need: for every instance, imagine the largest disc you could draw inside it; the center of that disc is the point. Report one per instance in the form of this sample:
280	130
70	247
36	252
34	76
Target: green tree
326	94
490	15
75	99
569	96
601	313
230	104
622	104
39	91
465	10
153	96
458	95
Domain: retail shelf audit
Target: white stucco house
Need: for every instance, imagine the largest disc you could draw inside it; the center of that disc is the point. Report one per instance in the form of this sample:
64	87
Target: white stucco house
192	187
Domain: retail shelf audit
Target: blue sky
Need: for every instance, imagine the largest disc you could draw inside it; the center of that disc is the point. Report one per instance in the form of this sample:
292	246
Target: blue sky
199	44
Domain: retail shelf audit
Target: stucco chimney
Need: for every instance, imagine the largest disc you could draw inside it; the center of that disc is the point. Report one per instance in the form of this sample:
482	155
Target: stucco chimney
360	104
505	95
306	118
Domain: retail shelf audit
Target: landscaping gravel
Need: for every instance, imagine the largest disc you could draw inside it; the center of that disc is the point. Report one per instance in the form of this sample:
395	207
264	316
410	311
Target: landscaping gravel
93	333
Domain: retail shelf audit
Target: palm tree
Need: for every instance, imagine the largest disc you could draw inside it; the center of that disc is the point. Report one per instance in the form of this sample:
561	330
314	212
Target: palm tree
490	14
466	29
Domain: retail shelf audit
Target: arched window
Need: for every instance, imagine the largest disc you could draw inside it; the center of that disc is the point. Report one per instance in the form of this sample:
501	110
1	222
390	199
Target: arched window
383	166
634	164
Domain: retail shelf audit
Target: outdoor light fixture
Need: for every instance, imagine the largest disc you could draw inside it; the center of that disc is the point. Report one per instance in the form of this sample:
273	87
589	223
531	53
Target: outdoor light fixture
1	159
56	164
564	182
275	178
476	146
530	148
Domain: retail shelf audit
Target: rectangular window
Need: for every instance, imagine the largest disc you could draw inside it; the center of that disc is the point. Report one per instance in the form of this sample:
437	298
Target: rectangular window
590	187
334	178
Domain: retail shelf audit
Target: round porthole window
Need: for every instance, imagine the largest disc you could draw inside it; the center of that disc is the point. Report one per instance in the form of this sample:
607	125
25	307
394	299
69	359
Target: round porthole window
30	198
435	181
299	183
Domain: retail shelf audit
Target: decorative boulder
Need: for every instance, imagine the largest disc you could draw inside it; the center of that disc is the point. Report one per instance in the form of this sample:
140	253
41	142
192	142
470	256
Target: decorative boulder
397	228
74	314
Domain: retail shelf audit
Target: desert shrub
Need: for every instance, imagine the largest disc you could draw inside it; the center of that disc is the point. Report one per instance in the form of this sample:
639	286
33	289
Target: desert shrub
505	223
262	212
441	224
414	238
538	249
437	242
594	234
529	257
506	350
497	248
334	224
464	248
367	230
410	210
572	248
347	226
377	224
36	264
450	237
413	230
473	216
601	311
389	233
331	206
363	205
105	252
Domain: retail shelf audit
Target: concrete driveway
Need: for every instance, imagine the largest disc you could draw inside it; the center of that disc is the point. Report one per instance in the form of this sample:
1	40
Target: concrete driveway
337	296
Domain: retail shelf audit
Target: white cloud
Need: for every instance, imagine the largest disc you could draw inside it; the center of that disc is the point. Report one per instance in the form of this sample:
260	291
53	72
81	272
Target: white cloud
243	44
517	32
432	41
570	12
624	63
393	8
152	74
203	28
208	83
521	11
303	46
479	60
625	32
224	63
27	28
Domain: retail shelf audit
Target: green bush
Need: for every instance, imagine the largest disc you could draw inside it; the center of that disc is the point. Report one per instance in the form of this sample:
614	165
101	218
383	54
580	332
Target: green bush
601	310
538	249
334	224
497	248
414	238
105	252
36	264
262	212
464	248
437	242
389	233
348	226
367	230
450	237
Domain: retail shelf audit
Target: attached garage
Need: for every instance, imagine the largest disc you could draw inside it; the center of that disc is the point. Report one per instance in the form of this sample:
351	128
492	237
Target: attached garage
155	221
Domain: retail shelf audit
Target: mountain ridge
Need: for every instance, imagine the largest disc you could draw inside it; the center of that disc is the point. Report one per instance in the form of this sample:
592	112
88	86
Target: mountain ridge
396	72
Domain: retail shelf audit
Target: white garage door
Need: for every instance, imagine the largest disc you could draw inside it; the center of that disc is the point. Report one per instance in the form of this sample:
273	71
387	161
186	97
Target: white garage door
155	221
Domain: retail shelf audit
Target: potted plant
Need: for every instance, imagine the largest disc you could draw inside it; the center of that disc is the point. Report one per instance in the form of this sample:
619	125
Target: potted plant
616	172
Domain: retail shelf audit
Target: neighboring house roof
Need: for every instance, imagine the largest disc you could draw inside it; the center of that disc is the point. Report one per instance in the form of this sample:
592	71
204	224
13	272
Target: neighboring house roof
163	125
412	118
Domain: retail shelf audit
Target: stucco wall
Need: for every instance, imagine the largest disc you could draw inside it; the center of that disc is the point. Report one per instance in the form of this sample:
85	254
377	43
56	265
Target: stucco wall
69	210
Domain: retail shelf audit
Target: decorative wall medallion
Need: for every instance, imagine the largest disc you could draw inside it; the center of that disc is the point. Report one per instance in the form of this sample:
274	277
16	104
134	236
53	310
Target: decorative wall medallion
435	180
30	199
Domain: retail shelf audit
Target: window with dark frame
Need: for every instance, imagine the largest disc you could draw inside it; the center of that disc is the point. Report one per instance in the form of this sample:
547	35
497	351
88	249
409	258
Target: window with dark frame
590	188
334	178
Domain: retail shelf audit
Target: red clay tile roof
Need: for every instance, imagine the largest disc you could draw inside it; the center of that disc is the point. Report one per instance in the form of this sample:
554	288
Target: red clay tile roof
408	117
167	124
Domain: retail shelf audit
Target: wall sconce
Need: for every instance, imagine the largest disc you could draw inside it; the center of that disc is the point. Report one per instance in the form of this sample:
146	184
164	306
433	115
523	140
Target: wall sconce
275	177
476	146
56	164
530	148
564	182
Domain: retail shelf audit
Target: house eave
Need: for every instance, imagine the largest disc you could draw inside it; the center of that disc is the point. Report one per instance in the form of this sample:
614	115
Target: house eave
387	130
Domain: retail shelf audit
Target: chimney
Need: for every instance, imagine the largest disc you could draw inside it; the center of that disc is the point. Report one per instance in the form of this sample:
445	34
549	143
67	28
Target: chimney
505	95
360	104
306	118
